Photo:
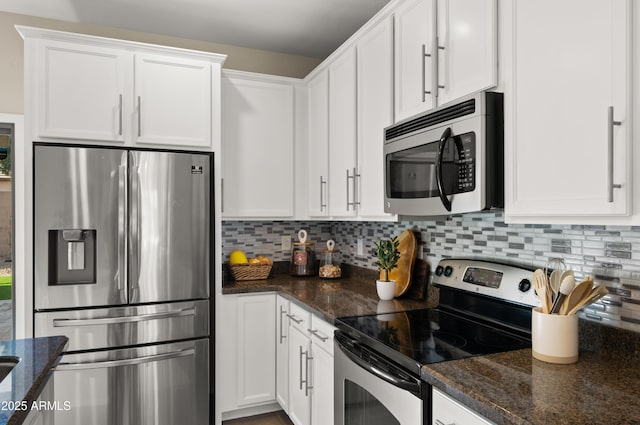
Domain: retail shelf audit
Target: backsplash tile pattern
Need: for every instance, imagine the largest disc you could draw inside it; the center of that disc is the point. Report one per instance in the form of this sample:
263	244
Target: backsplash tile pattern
610	254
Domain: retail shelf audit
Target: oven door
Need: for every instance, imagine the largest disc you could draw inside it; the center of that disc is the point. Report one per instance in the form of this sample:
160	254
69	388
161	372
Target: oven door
437	171
374	391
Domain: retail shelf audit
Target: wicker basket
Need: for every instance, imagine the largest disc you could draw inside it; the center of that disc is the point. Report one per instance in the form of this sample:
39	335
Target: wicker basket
250	271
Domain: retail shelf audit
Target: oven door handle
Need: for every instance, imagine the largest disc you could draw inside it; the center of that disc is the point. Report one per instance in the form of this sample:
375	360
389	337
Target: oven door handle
411	386
446	135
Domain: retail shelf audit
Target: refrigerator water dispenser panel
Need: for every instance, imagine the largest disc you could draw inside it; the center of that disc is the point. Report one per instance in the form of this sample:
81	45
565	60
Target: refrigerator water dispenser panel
72	256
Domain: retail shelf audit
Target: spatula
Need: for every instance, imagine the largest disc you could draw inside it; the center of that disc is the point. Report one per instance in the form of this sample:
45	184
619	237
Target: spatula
580	291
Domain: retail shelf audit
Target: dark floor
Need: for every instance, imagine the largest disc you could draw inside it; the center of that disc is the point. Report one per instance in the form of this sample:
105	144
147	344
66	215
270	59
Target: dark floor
275	418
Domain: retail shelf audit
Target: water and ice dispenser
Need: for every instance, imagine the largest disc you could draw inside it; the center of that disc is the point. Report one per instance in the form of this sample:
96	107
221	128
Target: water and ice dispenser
72	256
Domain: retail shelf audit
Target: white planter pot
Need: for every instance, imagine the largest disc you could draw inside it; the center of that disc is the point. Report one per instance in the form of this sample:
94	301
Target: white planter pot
386	290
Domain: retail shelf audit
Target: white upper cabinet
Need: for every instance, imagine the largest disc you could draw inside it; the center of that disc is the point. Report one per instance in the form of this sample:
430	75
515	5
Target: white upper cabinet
445	49
414	58
342	135
172	101
82	92
375	112
257	146
568	140
467	52
318	145
92	89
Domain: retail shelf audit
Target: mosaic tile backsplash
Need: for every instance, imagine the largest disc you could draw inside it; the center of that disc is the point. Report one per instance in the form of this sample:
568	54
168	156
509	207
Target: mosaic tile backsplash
610	254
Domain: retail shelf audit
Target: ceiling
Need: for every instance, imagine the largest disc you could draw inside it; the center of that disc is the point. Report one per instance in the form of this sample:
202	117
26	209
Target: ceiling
313	28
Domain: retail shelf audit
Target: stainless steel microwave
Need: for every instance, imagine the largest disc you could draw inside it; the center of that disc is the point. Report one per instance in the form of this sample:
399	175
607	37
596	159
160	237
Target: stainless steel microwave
449	160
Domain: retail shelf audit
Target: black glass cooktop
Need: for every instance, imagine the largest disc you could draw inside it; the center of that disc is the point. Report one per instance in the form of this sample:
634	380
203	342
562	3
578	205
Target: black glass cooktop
417	337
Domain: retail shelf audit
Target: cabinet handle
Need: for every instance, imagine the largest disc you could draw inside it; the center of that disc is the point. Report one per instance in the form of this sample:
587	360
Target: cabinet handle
439	422
610	184
348	203
307	360
437	68
120	116
323	183
222	195
282	335
424	57
356	194
294	318
316	333
139	115
301	380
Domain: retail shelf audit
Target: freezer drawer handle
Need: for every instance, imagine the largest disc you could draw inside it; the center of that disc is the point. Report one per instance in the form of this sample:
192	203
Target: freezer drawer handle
125	362
59	323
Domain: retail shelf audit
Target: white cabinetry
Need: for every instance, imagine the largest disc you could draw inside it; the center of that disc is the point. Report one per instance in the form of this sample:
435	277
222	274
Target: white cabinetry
248	354
282	352
375	112
445	49
257	146
94	89
318	144
446	410
568	142
310	368
342	135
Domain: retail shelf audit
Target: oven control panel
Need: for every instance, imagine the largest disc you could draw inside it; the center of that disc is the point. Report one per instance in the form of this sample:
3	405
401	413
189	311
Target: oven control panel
503	281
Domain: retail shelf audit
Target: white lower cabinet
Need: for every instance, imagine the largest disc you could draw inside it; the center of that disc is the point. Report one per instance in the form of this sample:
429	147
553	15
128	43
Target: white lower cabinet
310	366
247	356
282	352
446	410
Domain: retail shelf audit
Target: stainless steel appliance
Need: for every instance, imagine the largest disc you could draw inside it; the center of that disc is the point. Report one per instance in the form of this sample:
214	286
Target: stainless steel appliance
484	308
122	267
447	161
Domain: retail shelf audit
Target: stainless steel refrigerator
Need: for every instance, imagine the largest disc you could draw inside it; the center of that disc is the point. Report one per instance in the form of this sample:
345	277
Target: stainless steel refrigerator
122	259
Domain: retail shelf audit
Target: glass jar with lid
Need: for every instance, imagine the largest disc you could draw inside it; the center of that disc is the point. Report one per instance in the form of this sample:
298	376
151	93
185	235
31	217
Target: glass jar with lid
330	262
303	257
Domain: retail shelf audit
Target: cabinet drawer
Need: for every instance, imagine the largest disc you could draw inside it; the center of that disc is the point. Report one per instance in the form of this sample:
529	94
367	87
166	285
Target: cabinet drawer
299	318
322	334
448	411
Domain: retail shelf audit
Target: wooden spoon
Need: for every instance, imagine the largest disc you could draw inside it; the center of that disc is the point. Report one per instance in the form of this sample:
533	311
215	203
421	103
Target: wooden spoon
594	295
541	285
580	292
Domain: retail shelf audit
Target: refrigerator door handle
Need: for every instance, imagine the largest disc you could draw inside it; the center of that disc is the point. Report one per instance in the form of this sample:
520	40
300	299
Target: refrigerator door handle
134	226
125	362
122	226
60	323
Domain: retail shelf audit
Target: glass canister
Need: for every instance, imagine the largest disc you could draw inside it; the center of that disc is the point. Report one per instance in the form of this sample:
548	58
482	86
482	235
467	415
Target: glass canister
303	257
330	262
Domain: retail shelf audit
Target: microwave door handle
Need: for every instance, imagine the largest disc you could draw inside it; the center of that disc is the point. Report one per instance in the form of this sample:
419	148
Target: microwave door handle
439	178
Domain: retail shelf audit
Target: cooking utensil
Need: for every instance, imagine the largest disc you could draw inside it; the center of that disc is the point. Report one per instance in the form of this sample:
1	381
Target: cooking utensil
554	269
594	295
580	291
566	287
541	285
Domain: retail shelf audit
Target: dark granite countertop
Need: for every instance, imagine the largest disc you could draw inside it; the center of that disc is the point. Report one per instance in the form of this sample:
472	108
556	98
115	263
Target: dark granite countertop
27	379
506	388
332	298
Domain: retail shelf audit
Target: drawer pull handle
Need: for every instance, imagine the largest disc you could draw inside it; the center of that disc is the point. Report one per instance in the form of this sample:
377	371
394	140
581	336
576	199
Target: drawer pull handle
294	318
316	333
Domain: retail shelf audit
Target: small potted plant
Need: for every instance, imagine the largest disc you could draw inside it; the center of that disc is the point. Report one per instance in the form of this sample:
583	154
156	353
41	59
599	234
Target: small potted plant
387	255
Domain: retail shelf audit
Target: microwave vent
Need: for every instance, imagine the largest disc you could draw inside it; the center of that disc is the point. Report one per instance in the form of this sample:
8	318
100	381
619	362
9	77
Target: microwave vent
445	114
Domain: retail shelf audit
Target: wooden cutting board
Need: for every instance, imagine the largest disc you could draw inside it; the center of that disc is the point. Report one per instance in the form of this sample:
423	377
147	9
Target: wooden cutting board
402	274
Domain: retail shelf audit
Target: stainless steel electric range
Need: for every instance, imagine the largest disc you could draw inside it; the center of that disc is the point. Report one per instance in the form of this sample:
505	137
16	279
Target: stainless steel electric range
484	308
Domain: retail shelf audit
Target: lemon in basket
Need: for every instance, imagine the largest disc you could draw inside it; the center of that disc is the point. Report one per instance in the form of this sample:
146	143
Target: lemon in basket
237	257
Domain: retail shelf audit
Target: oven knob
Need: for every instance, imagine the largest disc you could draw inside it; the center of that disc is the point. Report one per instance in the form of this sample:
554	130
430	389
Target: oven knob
524	285
448	270
439	270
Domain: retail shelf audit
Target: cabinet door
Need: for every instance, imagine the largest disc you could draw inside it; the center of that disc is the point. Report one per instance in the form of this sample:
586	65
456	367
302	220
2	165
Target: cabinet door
257	148
414	70
570	109
256	349
282	353
467	56
342	135
299	391
322	382
375	112
172	101
83	91
318	149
